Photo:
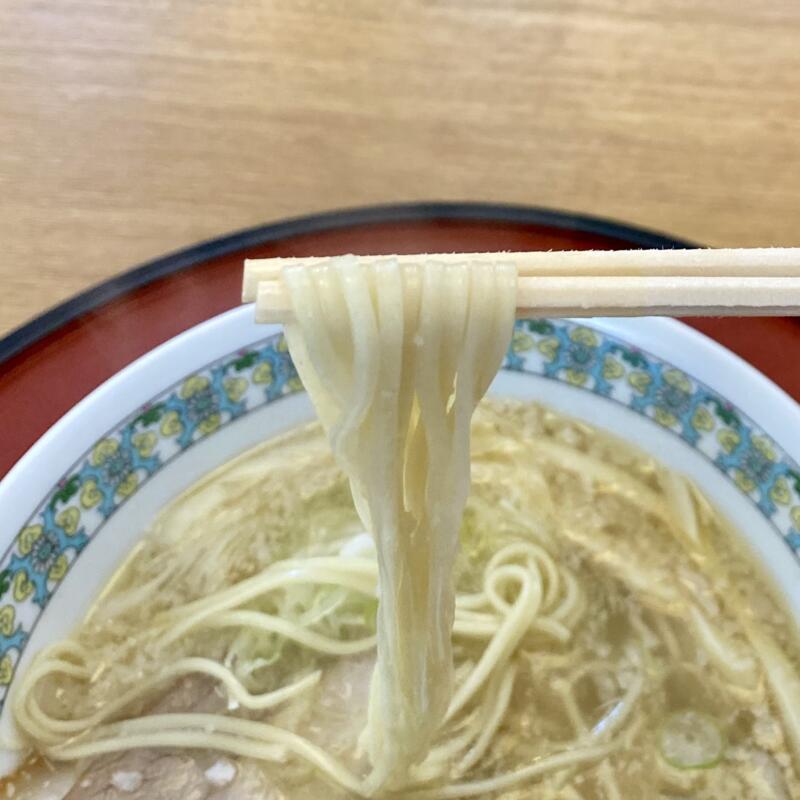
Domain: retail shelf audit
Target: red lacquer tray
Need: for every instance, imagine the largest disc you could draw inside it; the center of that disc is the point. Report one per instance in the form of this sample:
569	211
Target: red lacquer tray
52	362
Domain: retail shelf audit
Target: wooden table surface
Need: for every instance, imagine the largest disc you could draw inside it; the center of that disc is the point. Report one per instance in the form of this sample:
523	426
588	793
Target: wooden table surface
129	128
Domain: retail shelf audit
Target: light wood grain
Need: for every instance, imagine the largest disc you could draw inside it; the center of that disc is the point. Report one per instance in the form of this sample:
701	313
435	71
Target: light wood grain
132	127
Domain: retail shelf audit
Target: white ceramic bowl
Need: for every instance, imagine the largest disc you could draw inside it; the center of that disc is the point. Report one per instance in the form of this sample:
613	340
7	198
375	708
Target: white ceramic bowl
80	498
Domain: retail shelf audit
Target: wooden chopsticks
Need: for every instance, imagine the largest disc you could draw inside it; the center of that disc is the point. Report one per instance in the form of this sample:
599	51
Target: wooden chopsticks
741	282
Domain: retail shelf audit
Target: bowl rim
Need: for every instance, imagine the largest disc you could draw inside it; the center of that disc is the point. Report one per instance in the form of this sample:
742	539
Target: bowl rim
783	411
774	411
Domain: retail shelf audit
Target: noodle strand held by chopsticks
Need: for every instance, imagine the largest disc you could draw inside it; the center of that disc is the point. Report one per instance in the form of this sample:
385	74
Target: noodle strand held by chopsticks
395	371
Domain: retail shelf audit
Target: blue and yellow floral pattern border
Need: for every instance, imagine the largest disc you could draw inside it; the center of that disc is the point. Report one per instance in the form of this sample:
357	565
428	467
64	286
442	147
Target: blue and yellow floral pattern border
202	403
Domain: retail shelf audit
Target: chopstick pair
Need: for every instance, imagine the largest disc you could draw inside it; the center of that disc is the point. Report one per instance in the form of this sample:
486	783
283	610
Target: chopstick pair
621	283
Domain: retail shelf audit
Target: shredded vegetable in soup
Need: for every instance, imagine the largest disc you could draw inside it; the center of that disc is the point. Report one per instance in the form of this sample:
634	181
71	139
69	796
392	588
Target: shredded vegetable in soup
412	600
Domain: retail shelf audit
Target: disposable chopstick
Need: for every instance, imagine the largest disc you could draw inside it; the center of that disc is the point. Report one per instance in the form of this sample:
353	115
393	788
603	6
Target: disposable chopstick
605	296
754	262
745	282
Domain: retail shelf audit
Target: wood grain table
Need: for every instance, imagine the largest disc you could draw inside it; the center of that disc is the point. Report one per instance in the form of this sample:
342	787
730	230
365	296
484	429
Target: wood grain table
129	128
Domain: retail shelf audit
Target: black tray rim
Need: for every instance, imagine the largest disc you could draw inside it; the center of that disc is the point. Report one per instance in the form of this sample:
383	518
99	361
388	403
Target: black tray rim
50	321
